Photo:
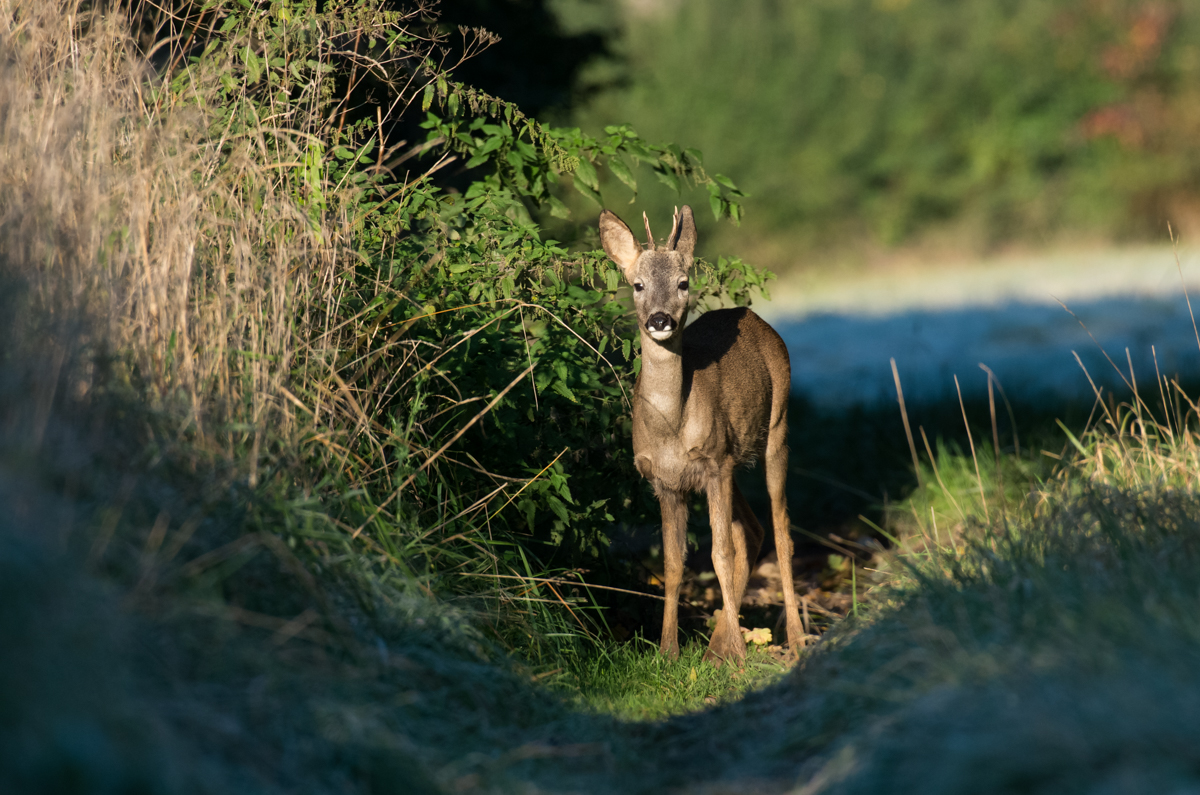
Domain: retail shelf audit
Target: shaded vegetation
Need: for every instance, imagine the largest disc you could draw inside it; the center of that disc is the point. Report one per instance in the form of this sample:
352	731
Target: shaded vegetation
883	121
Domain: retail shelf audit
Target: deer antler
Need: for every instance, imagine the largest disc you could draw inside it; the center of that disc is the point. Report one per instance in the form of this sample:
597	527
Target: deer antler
649	237
671	241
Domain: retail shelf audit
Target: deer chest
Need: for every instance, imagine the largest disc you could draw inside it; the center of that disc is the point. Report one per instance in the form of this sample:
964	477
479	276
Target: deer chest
686	461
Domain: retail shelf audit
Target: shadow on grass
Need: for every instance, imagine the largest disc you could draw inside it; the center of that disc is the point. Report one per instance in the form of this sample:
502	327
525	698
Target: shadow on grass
849	451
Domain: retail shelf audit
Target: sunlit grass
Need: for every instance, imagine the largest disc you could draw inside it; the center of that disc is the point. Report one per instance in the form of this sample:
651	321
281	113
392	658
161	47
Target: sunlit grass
634	682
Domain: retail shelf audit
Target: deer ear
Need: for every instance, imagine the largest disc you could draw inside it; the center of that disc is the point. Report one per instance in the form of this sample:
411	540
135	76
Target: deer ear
683	232
619	243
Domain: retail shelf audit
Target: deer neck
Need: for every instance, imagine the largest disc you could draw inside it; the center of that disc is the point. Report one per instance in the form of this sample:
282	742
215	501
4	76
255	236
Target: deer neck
660	383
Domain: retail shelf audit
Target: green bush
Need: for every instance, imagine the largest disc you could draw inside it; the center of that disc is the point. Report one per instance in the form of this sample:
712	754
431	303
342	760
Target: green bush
414	384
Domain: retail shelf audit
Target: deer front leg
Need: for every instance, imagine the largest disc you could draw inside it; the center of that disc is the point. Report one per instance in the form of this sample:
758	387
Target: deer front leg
674	530
726	642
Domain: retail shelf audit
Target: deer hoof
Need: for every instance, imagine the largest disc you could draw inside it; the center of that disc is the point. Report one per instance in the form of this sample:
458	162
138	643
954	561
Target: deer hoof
721	649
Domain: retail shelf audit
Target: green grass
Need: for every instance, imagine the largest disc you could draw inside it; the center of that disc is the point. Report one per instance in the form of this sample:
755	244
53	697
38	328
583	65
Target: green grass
956	488
632	681
1037	660
1049	656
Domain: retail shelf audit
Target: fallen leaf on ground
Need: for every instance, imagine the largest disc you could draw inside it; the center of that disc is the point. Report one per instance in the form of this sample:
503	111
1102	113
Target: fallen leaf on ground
760	636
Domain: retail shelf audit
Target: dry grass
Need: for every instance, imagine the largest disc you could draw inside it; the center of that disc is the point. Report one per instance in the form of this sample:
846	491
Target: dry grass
183	238
188	223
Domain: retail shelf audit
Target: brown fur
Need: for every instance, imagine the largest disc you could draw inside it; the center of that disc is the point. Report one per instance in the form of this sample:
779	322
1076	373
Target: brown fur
708	399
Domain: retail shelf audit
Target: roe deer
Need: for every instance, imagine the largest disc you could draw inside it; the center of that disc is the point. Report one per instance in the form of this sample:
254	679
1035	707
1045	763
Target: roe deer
709	398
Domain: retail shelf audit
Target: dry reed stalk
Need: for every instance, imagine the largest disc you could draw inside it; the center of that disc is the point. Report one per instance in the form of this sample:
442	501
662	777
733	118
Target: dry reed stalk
912	447
971	442
119	215
153	230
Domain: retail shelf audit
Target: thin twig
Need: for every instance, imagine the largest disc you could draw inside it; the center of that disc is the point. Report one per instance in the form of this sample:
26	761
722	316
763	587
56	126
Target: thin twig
443	449
558	581
1182	283
1012	417
1098	345
531	480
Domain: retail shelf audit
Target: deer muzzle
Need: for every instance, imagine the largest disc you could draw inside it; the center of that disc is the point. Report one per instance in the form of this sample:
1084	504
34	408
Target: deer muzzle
661	325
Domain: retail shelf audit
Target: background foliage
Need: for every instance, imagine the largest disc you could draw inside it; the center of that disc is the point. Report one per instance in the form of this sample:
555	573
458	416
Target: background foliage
869	120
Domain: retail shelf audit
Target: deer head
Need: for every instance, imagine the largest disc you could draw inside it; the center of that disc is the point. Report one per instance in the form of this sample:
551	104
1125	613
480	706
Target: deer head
659	275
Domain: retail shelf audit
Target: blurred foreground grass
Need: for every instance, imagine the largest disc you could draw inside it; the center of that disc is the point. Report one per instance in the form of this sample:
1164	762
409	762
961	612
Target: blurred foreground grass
1050	649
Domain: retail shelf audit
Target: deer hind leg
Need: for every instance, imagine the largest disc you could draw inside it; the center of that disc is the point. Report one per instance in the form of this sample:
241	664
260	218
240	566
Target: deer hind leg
730	559
747	536
746	529
674	530
776	467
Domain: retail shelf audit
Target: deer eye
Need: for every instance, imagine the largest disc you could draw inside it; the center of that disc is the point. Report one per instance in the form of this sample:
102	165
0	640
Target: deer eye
638	286
683	285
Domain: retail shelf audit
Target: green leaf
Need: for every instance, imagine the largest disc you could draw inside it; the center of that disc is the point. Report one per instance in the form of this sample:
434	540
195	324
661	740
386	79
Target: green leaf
562	389
515	160
556	505
491	144
585	172
589	192
612	280
668	178
622	172
1074	442
557	208
253	64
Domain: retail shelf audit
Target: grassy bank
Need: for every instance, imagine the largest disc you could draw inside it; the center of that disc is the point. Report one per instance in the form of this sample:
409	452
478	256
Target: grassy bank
1051	650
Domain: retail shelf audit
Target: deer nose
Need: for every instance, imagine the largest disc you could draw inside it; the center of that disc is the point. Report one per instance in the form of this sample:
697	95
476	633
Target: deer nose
660	321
